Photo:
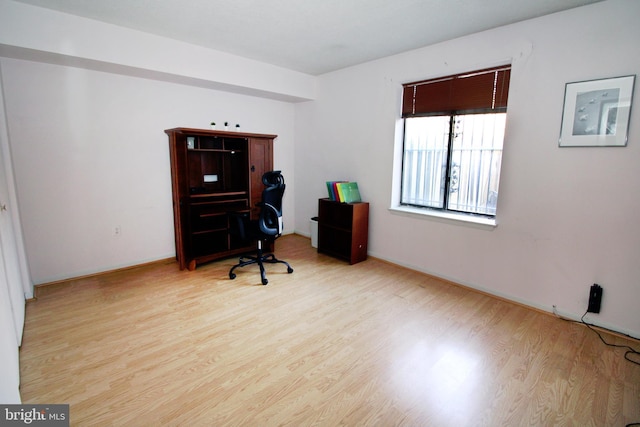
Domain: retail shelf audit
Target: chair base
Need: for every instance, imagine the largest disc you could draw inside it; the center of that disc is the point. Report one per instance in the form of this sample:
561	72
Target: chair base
260	258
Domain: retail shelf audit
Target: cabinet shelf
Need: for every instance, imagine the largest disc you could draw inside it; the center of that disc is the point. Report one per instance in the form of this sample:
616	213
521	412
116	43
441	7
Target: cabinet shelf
200	202
206	215
215	150
218	196
214	230
337	228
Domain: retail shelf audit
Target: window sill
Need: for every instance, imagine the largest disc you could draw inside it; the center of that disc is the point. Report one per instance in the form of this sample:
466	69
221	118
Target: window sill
448	217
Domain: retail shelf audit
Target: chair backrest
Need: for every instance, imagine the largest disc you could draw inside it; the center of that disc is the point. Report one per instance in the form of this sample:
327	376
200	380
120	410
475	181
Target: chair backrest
270	220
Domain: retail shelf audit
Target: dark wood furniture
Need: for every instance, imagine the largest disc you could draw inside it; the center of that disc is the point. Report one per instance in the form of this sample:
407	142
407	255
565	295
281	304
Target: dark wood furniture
343	229
214	173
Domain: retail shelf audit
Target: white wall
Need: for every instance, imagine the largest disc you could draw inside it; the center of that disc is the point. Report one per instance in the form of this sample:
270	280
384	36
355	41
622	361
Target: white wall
566	216
87	104
90	154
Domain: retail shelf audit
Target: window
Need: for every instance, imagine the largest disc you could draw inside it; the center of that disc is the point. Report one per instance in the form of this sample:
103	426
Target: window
453	136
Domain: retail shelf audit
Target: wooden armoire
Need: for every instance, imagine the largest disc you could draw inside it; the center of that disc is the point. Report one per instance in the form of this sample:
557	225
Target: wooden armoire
213	174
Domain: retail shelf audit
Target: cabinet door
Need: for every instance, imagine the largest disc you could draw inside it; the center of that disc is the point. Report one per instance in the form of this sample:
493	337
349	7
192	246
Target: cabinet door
260	161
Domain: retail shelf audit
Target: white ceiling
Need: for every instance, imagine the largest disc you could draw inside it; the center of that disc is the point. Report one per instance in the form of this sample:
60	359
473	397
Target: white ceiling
311	36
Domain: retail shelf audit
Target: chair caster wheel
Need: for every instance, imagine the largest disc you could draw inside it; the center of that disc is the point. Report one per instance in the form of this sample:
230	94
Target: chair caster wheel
289	270
232	276
265	281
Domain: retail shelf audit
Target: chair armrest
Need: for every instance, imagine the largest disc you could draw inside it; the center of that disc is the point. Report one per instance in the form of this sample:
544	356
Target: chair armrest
270	222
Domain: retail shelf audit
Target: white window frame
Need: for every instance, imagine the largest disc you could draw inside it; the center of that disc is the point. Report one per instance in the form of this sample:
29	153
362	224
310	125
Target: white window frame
458	218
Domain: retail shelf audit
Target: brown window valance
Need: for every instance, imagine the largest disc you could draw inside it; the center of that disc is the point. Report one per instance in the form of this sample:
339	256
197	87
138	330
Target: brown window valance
478	91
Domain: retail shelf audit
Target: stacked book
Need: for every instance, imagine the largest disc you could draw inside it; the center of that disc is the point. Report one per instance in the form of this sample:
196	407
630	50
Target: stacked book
343	191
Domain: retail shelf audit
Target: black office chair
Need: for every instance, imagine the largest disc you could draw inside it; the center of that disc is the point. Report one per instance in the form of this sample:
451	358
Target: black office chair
267	228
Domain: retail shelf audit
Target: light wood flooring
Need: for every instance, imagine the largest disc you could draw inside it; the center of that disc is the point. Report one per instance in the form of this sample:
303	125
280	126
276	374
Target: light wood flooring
371	344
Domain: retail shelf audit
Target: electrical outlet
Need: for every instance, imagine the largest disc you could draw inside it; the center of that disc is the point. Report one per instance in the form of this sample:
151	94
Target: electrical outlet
595	299
117	231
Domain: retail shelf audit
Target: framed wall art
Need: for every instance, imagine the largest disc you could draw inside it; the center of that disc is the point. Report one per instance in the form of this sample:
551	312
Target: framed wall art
596	112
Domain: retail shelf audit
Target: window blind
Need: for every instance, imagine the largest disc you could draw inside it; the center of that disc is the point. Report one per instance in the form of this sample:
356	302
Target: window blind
479	91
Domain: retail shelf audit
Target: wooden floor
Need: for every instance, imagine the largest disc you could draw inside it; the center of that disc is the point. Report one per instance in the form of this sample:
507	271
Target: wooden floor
331	344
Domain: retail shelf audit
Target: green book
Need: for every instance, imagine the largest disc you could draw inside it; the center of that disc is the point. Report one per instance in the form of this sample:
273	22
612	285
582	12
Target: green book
350	192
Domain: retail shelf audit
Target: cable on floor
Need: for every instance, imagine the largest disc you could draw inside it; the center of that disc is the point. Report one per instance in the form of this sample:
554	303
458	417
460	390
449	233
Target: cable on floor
627	355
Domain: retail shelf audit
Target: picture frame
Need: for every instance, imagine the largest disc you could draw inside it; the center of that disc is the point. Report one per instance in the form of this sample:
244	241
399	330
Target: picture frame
596	112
